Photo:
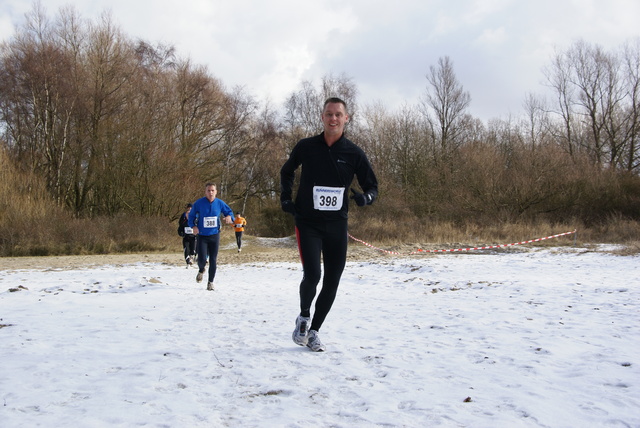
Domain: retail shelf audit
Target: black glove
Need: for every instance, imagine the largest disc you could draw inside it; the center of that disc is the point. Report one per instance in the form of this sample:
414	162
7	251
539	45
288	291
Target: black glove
288	206
361	199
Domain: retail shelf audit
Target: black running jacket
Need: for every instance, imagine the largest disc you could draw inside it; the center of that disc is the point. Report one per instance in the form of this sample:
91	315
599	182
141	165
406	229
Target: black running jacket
331	167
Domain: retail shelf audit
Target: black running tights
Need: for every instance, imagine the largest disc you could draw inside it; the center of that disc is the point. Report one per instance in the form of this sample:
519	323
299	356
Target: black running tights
315	239
189	245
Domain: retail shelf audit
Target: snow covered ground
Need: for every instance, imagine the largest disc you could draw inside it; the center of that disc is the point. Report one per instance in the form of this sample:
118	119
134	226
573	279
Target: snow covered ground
527	338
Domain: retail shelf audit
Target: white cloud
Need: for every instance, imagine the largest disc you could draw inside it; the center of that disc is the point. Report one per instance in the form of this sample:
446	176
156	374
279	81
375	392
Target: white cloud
491	37
6	26
291	64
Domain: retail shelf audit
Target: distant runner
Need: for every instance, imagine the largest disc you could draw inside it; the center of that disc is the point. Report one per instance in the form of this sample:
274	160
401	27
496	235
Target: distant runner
238	225
188	238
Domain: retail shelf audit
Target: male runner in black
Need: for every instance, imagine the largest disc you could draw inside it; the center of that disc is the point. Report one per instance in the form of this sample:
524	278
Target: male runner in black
329	163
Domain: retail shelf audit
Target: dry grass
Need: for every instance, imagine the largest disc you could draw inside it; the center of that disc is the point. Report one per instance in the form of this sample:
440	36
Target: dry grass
158	235
32	225
412	232
65	235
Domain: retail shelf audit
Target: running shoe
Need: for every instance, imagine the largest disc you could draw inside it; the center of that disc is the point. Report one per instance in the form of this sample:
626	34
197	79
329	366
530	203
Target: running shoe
301	333
210	286
314	342
199	276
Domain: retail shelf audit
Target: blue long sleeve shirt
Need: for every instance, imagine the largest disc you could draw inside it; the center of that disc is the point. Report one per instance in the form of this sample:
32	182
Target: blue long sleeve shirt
207	215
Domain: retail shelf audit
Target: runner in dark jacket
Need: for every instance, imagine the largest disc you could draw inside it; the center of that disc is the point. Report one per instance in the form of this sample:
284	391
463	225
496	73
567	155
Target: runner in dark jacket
329	163
188	238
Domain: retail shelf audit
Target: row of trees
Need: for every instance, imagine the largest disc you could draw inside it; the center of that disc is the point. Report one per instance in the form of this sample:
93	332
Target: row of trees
120	126
115	125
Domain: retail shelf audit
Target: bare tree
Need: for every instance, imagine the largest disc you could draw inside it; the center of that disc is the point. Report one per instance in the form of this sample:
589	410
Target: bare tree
594	74
448	100
260	172
536	119
589	85
238	143
557	76
631	62
109	67
302	112
37	98
303	108
371	135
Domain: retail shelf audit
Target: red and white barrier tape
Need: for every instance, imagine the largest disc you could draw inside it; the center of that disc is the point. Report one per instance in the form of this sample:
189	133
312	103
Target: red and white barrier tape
419	251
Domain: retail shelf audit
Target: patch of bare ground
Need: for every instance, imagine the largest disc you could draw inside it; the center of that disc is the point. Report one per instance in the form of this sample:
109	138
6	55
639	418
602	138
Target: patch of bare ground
254	250
274	250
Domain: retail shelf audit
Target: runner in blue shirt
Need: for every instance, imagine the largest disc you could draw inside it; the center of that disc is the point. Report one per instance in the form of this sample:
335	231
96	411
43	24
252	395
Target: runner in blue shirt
205	219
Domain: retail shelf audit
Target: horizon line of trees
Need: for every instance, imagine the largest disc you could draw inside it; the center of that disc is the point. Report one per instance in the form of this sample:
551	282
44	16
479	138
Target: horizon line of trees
114	126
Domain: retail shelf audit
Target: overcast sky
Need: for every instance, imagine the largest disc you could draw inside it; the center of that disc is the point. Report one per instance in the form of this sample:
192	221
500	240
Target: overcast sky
498	47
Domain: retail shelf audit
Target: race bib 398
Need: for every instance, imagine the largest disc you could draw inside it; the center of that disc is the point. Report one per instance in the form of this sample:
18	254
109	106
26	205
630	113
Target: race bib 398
327	198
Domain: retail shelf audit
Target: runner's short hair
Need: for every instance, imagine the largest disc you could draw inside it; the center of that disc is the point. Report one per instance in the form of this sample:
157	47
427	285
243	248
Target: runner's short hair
335	100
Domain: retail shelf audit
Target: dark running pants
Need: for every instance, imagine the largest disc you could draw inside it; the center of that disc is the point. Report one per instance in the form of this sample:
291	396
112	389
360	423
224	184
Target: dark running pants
189	245
239	239
316	238
208	246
